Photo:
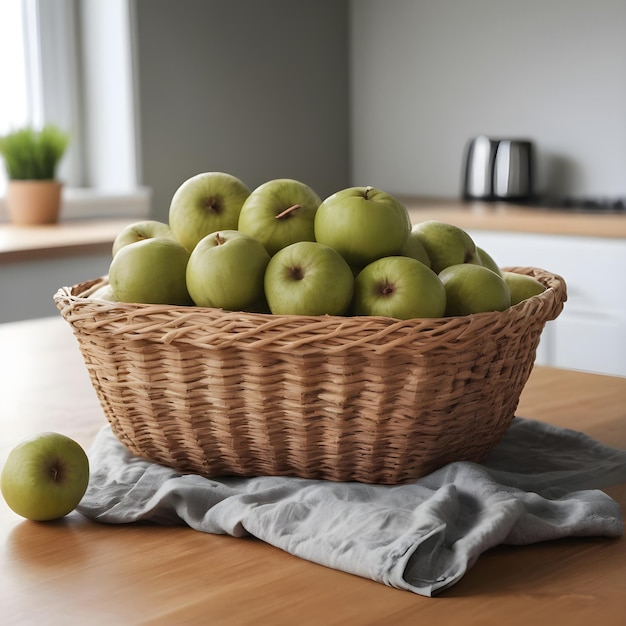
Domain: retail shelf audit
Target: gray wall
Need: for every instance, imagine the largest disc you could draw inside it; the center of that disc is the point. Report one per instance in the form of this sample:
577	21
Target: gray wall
429	74
382	92
256	89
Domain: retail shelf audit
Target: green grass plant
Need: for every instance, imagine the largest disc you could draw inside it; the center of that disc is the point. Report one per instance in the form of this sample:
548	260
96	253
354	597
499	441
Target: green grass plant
31	154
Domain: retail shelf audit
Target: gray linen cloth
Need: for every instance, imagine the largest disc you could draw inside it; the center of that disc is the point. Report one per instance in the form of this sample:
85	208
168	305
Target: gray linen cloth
539	483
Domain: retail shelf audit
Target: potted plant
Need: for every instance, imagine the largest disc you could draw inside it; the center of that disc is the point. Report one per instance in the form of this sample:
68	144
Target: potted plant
31	158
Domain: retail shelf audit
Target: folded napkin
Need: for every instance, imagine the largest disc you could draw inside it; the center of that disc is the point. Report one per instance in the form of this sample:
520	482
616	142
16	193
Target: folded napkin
539	483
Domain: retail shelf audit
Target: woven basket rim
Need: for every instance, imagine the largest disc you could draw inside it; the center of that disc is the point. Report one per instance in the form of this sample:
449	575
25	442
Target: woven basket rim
185	323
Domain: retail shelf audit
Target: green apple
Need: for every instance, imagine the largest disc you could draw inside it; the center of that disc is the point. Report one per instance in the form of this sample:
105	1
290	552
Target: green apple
45	476
473	289
522	286
445	244
414	248
279	212
151	271
204	204
226	270
103	293
139	231
484	258
399	287
308	278
363	224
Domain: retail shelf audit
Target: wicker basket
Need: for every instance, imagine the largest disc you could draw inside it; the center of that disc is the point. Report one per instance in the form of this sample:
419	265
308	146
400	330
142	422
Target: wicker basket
369	399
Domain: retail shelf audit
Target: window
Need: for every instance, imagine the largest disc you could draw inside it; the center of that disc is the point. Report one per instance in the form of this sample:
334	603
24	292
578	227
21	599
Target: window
14	101
70	63
15	108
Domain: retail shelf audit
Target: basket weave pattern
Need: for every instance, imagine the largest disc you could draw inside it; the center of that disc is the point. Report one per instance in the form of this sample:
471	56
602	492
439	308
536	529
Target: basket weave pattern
339	398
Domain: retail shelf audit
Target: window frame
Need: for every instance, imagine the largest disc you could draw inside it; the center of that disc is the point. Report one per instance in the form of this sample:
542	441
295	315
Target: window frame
59	79
77	83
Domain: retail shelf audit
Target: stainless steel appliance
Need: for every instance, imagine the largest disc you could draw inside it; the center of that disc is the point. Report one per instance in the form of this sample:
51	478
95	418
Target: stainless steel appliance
498	169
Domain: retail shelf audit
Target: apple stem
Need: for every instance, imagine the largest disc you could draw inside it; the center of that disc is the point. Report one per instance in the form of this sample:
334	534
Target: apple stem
367	191
55	470
219	240
288	212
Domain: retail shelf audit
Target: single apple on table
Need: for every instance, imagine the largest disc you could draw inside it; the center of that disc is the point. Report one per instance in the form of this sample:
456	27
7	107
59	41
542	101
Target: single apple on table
445	244
308	278
206	203
522	286
473	288
278	213
400	287
45	476
226	271
144	229
151	271
363	224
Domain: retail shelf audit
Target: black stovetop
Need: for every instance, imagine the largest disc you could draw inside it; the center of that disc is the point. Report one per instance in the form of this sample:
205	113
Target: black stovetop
580	204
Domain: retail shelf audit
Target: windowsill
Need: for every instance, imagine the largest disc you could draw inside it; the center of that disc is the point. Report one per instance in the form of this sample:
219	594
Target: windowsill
84	203
88	225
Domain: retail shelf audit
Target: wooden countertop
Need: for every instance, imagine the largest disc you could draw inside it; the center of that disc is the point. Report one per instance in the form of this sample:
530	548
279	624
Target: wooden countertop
78	572
501	216
76	237
66	238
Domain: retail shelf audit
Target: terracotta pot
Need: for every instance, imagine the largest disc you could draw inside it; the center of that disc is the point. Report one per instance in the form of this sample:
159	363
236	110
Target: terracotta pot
32	202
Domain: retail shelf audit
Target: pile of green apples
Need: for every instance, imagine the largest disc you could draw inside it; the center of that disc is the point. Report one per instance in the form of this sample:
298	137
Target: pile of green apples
280	249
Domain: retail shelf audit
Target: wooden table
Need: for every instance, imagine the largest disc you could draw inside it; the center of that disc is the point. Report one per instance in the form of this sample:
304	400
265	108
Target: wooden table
78	572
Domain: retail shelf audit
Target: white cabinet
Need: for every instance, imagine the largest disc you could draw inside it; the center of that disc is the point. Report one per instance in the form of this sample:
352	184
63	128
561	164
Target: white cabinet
36	261
590	333
27	287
